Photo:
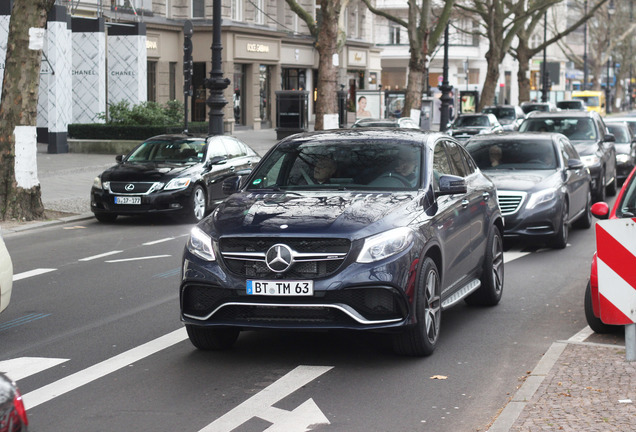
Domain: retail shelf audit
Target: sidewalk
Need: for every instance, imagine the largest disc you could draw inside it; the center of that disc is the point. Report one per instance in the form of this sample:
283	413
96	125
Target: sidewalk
583	384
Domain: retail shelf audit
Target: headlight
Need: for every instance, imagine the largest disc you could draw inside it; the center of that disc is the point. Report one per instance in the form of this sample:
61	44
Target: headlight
590	160
540	198
200	244
97	182
622	158
384	245
178	183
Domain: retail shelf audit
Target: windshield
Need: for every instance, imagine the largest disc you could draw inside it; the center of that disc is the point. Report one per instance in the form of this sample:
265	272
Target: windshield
621	133
576	129
515	155
330	165
501	113
588	100
173	151
463	121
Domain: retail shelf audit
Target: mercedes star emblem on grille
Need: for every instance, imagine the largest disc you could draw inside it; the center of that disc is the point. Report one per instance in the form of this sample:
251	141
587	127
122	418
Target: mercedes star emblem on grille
130	187
279	258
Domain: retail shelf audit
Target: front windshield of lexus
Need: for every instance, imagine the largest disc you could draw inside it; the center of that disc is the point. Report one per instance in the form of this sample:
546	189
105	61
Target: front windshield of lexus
169	151
513	155
363	165
576	129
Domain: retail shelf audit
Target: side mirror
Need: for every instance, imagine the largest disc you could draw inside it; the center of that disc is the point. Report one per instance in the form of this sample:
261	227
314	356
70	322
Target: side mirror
575	164
600	210
216	160
451	185
609	137
119	158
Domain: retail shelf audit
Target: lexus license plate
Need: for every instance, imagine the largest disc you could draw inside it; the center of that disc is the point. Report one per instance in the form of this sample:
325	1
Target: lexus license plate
280	288
135	200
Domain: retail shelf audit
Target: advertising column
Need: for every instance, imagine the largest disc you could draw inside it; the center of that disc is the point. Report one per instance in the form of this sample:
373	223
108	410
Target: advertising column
127	63
55	95
89	70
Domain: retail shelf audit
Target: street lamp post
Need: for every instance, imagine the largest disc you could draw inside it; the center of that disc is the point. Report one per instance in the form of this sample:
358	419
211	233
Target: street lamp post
445	88
216	83
585	71
544	76
608	93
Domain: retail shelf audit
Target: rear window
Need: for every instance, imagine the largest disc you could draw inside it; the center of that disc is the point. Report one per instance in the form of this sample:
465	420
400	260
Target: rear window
513	155
578	129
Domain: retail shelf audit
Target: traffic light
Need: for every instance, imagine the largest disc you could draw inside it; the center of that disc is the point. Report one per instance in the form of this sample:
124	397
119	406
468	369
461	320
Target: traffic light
187	58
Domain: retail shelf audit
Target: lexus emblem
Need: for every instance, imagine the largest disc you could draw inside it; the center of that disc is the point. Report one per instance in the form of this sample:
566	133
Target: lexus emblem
129	187
279	258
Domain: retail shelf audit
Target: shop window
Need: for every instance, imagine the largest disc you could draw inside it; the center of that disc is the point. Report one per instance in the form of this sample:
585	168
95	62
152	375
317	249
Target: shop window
198	8
152	82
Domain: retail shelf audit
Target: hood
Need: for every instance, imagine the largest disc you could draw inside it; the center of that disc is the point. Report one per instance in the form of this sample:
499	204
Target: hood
585	148
307	213
623	148
522	181
146	172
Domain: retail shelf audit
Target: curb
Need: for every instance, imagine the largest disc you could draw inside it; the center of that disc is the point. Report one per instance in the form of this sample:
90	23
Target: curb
29	226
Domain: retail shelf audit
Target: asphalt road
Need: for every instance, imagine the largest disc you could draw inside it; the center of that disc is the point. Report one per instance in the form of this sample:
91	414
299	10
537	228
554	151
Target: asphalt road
93	338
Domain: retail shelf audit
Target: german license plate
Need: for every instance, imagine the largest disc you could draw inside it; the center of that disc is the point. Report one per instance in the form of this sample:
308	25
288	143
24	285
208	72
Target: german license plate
135	200
280	288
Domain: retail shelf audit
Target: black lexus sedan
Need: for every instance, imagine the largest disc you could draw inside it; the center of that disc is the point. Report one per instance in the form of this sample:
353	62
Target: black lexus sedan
172	174
13	417
542	185
404	226
589	135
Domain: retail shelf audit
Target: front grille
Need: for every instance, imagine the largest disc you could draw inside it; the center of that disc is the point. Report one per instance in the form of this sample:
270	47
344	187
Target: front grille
245	257
510	201
136	188
372	303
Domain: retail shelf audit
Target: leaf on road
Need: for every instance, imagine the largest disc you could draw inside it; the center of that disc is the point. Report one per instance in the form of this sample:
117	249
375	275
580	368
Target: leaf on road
439	377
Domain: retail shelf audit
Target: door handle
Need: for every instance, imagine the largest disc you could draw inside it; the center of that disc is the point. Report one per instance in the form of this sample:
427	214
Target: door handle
232	168
465	203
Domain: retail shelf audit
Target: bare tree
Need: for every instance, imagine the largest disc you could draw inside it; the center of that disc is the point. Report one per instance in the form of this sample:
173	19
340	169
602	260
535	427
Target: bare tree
20	198
523	53
329	40
424	32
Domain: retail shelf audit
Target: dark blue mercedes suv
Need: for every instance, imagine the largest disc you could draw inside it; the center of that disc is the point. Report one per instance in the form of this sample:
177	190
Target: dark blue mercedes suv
365	229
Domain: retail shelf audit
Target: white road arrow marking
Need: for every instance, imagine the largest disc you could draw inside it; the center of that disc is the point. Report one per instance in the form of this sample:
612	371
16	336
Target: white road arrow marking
260	405
83	377
23	367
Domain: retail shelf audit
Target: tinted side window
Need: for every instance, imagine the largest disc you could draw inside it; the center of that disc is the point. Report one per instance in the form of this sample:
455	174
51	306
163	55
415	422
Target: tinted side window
441	165
216	148
456	159
233	147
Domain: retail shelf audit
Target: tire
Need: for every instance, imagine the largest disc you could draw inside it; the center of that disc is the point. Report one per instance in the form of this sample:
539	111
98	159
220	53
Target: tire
214	338
492	276
611	188
601	193
560	239
421	339
585	220
593	321
198	204
105	217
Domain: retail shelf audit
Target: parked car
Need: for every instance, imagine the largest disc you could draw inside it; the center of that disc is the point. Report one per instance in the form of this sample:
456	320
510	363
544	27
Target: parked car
172	174
509	116
624	207
587	131
528	107
402	122
6	276
571	104
467	125
629	119
625	145
542	185
13	417
406	227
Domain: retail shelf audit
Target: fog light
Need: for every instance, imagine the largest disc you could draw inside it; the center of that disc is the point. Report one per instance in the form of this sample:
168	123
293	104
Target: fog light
175	206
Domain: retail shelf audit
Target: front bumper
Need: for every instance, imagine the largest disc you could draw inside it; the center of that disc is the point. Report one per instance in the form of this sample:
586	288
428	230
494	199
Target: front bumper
376	296
542	221
174	201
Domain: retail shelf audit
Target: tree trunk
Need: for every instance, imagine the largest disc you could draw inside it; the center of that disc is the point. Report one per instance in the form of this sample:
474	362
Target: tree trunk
415	85
523	60
492	78
327	47
20	198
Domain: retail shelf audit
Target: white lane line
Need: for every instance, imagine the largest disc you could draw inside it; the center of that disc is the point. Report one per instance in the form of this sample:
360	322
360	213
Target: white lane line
94	257
157	241
23	367
83	377
138	258
31	273
511	256
260	405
